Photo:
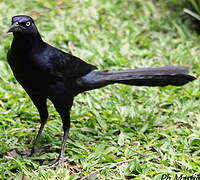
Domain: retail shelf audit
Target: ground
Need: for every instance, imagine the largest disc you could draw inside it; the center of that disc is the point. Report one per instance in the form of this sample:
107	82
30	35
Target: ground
117	132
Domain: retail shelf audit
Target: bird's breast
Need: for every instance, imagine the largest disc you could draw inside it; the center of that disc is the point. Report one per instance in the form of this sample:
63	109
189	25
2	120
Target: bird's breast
27	72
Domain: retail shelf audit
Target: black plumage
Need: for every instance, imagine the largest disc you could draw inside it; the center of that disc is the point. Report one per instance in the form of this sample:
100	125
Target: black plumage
46	72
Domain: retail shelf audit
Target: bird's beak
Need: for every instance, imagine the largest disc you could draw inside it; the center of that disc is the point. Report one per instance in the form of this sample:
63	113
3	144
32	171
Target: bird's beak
14	27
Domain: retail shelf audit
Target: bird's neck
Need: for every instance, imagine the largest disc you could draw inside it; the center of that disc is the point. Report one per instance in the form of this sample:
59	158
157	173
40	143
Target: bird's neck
24	43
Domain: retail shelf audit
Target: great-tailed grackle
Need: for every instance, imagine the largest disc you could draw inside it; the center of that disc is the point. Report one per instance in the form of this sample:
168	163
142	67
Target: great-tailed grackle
46	72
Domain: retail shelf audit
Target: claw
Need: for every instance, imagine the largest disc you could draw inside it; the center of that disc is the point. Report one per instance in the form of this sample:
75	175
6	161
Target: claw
58	162
28	153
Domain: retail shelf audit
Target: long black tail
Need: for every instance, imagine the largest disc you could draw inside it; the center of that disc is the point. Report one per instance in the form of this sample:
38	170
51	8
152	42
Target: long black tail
159	76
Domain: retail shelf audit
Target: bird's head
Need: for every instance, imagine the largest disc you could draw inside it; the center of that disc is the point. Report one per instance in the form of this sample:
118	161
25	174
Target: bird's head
22	24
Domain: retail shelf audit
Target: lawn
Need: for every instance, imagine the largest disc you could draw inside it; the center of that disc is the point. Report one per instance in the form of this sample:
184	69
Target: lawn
117	132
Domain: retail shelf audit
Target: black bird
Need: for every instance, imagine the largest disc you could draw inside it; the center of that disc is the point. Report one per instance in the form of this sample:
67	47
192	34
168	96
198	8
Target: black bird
46	72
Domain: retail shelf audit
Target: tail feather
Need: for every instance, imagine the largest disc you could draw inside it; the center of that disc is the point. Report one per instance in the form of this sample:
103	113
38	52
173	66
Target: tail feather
159	76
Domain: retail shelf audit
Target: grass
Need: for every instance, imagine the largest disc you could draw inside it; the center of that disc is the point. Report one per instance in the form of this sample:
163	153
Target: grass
118	132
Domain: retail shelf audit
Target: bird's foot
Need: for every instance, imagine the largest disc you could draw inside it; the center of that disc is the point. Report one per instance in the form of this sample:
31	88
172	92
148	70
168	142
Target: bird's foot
25	153
58	162
29	153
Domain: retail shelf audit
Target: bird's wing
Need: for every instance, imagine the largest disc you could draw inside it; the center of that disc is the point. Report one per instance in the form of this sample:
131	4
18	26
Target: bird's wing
68	66
75	67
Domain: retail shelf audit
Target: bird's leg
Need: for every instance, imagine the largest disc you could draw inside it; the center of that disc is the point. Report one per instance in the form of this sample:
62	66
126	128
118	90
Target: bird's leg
66	126
40	104
35	142
62	151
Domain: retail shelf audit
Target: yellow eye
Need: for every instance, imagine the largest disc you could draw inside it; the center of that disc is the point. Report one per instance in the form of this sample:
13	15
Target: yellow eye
28	23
